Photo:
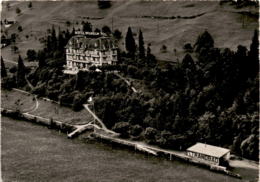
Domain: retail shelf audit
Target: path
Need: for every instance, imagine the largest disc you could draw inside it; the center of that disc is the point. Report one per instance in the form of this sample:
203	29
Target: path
29	83
127	82
34	107
9	61
244	164
103	126
13	62
81	128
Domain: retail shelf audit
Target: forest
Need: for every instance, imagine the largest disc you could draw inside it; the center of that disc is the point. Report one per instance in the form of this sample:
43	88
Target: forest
212	96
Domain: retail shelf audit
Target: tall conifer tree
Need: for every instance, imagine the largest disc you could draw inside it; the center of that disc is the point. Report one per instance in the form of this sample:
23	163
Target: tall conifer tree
253	64
130	42
3	70
141	45
20	77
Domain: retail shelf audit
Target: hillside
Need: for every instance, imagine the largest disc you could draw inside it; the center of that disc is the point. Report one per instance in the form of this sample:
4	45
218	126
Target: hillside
225	23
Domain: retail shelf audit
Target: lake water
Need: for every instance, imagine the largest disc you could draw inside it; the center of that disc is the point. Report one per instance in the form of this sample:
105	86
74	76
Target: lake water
34	153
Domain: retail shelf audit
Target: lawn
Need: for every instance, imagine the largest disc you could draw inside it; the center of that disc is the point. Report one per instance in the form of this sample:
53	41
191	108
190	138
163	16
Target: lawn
33	153
17	101
48	109
26	103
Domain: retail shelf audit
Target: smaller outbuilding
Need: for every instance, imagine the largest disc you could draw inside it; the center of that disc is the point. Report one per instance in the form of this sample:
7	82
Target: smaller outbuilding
209	153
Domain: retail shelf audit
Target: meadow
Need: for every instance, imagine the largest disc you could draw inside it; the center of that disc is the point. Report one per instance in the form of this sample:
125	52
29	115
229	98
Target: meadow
228	25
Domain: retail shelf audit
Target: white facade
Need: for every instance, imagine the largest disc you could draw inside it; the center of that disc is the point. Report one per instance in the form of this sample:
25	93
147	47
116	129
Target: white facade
84	51
211	154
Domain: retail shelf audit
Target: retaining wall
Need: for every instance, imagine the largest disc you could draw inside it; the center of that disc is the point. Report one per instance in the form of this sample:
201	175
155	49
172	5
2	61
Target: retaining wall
54	124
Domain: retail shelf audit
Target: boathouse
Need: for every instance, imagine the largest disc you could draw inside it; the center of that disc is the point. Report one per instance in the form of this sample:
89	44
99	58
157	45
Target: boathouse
209	153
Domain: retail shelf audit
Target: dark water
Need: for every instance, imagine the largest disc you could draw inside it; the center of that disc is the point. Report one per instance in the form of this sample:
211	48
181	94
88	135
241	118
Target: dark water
35	153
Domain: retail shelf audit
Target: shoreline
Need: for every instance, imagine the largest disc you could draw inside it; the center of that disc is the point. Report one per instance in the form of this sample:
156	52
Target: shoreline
67	128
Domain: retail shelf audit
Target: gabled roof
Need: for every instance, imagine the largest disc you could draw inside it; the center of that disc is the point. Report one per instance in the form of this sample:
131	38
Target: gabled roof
209	150
86	43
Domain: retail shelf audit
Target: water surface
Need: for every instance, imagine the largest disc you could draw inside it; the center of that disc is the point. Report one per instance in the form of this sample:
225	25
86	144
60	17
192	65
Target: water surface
34	153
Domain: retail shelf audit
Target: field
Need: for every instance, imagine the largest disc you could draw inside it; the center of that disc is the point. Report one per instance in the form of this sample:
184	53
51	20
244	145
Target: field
34	153
228	26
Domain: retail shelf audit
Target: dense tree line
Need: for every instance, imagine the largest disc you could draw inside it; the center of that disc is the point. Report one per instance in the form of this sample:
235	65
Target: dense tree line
213	99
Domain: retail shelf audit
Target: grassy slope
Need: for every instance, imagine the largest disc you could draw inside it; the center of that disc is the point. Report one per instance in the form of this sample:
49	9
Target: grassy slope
10	98
51	110
33	153
45	109
222	22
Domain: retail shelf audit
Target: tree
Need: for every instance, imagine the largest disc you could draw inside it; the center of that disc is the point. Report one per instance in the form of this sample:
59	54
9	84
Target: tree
106	30
117	34
86	26
3	70
141	45
14	48
13	37
187	47
250	147
20	77
136	130
103	4
97	30
130	42
53	40
61	42
188	63
78	101
30	5
20	28
253	64
150	59
31	55
18	11
68	23
204	40
122	128
13	69
150	135
163	49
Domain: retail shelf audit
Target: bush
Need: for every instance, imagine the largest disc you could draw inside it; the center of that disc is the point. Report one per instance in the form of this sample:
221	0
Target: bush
163	49
78	101
106	30
136	130
117	34
13	69
66	99
20	28
131	70
18	11
104	4
8	83
122	128
68	23
150	135
31	55
187	47
40	89
30	5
